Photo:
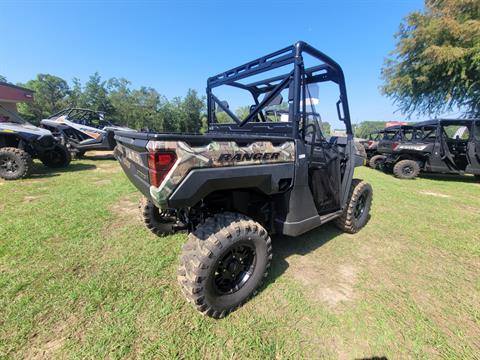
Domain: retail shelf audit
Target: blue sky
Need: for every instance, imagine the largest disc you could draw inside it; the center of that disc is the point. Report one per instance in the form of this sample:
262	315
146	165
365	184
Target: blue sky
174	45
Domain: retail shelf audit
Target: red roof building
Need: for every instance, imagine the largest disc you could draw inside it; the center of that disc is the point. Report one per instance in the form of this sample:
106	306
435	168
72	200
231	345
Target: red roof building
10	95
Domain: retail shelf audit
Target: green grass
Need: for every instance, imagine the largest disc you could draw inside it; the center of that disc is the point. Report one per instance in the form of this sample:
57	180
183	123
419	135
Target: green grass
80	277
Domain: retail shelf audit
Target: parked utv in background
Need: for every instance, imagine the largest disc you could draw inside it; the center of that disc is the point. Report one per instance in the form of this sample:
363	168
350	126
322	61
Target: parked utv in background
247	178
370	144
388	140
21	142
81	130
438	146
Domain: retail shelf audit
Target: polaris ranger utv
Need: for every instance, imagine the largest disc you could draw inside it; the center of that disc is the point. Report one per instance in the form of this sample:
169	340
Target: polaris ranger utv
81	130
20	142
389	138
370	144
248	178
438	146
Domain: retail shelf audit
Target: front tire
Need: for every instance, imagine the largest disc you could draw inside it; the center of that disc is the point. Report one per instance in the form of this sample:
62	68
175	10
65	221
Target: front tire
58	157
223	263
356	213
376	161
14	163
406	169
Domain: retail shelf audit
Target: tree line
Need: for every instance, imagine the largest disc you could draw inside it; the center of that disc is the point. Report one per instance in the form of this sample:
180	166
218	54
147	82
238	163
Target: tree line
142	108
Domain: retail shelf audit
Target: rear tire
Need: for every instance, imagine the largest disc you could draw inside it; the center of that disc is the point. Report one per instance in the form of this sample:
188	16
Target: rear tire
157	223
356	213
223	263
14	163
376	161
161	224
58	157
406	169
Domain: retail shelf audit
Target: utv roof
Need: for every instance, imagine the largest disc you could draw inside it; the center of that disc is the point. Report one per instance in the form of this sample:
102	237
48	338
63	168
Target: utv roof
398	127
434	122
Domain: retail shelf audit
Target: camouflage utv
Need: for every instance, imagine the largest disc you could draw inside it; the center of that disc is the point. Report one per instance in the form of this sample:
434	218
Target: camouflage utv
249	177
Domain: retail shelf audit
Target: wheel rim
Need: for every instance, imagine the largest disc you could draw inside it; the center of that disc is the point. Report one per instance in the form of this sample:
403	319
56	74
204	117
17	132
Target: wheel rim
234	269
407	170
8	165
361	205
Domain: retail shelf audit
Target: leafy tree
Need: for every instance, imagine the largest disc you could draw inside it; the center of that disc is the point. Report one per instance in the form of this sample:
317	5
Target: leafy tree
142	108
326	128
95	95
146	103
50	96
364	128
75	97
242	112
3	78
436	64
169	114
192	107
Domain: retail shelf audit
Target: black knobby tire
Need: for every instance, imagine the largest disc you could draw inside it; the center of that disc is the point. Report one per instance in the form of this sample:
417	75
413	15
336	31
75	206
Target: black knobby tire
157	223
406	169
14	163
58	157
376	161
356	213
223	263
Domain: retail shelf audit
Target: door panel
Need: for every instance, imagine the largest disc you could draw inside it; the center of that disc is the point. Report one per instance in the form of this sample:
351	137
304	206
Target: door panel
473	150
324	178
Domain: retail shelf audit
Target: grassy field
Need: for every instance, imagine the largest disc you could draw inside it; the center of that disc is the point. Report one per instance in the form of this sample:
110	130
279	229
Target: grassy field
80	277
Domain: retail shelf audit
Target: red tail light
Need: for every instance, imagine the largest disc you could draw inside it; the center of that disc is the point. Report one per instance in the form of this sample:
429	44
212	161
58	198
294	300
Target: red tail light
395	145
159	164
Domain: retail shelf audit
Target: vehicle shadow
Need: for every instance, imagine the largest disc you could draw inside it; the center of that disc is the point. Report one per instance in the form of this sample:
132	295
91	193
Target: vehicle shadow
40	171
284	247
450	177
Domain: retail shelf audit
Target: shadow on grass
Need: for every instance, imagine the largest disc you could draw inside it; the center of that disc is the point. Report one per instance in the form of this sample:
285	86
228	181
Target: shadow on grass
284	247
450	177
40	171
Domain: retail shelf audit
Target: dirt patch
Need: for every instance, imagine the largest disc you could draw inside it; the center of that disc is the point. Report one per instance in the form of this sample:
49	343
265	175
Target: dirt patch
126	211
103	182
329	284
47	346
100	155
431	193
108	169
30	199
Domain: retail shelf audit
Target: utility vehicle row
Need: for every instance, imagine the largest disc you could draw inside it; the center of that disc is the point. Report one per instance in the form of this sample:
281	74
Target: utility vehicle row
447	146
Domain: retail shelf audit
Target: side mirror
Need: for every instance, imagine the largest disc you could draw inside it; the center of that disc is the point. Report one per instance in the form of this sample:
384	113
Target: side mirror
219	108
277	100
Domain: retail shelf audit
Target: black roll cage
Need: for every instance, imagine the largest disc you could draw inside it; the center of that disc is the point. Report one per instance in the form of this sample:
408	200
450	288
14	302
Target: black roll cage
79	114
296	81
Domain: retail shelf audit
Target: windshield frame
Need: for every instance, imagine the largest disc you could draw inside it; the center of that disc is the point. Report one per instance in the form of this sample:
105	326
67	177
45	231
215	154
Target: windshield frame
17	119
